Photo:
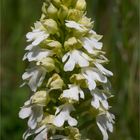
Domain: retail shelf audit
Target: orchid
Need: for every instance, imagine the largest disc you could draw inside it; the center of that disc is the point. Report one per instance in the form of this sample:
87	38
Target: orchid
34	77
63	114
65	74
74	93
75	57
34	112
74	25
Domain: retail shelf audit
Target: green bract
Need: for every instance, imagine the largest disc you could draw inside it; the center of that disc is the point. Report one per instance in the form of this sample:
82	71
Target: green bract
66	74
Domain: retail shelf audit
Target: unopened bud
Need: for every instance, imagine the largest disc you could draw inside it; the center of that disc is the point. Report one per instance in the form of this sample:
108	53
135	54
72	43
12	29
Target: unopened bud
40	98
44	8
55	82
51	26
63	12
71	43
52	10
81	5
86	22
47	63
55	46
75	15
78	79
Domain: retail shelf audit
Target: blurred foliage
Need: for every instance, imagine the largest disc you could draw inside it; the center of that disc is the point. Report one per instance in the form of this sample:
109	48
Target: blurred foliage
117	20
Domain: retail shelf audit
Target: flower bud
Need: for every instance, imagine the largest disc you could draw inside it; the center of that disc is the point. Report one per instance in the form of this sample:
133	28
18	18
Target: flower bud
51	26
78	79
48	63
40	98
75	15
63	12
52	10
86	22
71	43
44	8
81	5
55	46
55	82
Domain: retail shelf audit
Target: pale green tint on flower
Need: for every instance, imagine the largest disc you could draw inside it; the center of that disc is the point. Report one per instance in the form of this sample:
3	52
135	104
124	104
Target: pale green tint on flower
41	98
48	63
66	74
55	82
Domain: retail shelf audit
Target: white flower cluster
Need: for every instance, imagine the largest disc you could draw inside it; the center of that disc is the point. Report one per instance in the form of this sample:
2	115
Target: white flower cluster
66	69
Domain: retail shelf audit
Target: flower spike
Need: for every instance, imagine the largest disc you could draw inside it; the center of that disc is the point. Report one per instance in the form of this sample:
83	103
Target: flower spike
66	74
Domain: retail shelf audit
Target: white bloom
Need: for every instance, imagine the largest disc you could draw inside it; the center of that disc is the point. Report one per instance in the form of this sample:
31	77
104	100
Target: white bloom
92	33
75	57
99	99
34	77
92	75
81	4
25	111
36	36
74	25
63	114
73	93
37	54
41	133
101	59
34	112
90	44
105	122
103	70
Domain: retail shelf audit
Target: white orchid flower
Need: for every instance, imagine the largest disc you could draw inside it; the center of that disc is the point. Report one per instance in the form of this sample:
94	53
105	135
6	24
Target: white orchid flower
93	34
103	70
74	25
91	44
63	114
37	54
74	93
105	122
99	99
92	75
75	57
41	133
26	110
34	77
34	112
36	36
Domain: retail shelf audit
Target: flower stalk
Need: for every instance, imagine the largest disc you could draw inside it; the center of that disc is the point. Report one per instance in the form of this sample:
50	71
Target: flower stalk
65	74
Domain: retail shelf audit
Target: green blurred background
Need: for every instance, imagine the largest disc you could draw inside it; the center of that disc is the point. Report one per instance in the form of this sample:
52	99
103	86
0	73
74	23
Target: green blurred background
117	20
